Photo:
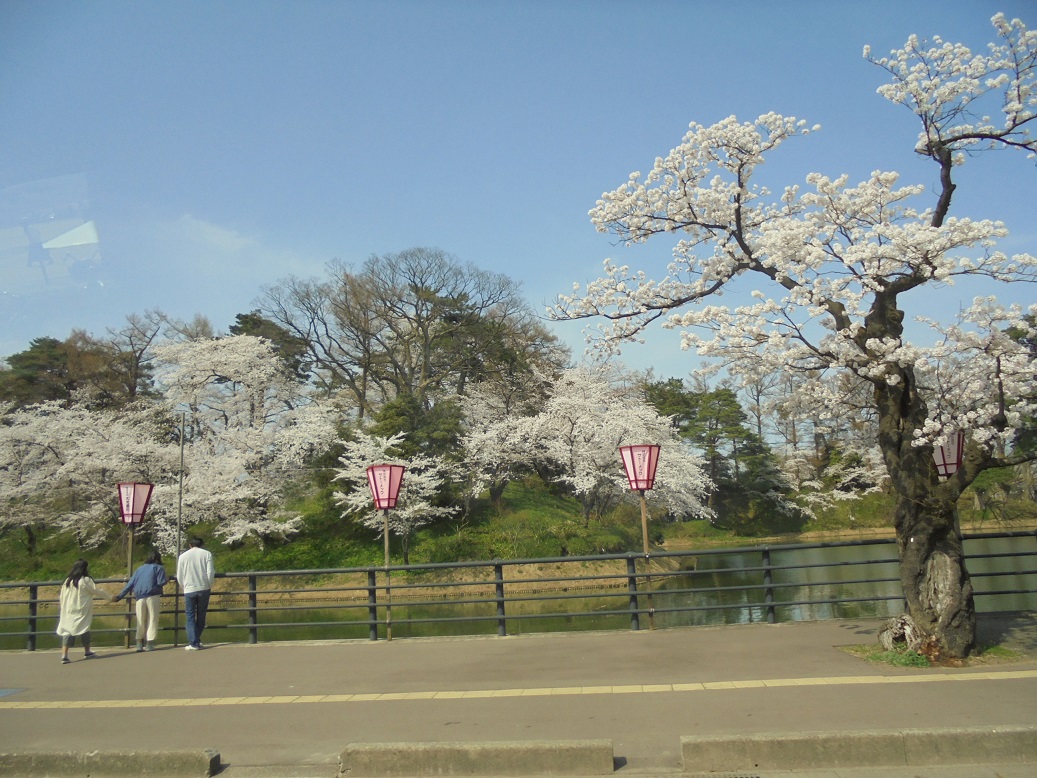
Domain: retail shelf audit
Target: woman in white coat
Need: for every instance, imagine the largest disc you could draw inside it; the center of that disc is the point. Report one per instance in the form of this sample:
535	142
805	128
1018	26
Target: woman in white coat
77	609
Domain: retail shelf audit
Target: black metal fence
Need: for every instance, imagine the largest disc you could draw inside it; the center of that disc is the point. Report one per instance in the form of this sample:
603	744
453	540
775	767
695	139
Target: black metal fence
613	591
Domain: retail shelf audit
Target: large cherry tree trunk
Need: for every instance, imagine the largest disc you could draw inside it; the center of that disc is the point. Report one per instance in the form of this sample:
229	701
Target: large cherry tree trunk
941	611
937	587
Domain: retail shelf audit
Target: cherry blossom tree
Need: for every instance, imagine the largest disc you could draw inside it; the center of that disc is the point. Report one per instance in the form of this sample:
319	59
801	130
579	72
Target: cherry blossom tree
588	415
496	445
250	425
422	481
835	267
62	463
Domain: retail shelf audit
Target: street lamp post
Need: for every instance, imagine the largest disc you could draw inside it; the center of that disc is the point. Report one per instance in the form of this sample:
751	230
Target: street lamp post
179	531
385	482
133	503
640	463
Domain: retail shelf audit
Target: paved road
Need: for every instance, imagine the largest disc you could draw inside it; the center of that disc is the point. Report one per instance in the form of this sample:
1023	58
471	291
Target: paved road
290	708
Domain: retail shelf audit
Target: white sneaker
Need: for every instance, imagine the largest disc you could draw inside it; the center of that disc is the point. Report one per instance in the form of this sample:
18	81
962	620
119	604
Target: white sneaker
190	648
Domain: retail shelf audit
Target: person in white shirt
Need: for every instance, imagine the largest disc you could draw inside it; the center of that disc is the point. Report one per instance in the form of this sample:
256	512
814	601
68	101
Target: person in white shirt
195	573
77	609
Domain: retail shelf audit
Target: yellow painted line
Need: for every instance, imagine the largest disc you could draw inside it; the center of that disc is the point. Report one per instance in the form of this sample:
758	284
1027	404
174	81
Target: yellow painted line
688	687
659	687
1012	674
849	680
627	689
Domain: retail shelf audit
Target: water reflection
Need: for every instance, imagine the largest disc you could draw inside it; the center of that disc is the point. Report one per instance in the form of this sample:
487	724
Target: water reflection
805	585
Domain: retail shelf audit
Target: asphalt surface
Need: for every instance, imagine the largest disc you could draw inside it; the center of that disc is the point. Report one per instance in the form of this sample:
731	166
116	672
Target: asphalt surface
288	709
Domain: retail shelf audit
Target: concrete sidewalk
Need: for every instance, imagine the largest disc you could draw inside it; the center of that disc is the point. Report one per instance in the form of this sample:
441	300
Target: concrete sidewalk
289	709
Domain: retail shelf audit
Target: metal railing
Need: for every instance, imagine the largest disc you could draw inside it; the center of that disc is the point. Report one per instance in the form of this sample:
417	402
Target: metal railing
768	583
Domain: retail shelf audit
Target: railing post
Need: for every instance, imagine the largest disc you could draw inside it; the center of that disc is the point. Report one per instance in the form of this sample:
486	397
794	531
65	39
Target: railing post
33	600
253	615
372	606
635	618
768	585
498	585
127	639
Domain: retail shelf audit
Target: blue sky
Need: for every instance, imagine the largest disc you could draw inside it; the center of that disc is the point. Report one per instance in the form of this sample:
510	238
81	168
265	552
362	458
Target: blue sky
219	146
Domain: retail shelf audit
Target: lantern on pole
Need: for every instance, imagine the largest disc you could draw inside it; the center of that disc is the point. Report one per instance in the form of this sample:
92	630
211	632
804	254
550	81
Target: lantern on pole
134	499
949	454
640	463
385	482
133	503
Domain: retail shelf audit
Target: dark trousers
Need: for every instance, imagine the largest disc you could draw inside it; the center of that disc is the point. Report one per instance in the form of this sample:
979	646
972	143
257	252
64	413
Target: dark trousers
69	641
195	606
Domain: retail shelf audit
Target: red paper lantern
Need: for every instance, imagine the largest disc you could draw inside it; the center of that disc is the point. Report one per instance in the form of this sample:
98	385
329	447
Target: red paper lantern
950	454
133	501
385	481
640	463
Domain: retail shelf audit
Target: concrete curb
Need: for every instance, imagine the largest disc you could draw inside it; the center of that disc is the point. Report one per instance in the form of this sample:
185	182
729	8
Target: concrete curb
200	763
863	748
534	757
700	754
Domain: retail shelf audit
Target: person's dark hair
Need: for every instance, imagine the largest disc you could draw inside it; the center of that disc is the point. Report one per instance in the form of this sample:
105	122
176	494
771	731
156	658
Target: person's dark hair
154	558
79	569
196	543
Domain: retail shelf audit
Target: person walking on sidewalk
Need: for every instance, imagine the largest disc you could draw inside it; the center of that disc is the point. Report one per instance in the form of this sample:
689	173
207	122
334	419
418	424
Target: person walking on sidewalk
77	609
146	584
195	572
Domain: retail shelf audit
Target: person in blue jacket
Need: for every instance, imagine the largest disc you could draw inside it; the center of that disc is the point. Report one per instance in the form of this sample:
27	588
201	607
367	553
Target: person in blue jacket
146	584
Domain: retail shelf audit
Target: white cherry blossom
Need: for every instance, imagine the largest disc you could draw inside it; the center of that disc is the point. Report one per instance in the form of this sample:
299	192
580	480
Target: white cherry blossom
836	266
